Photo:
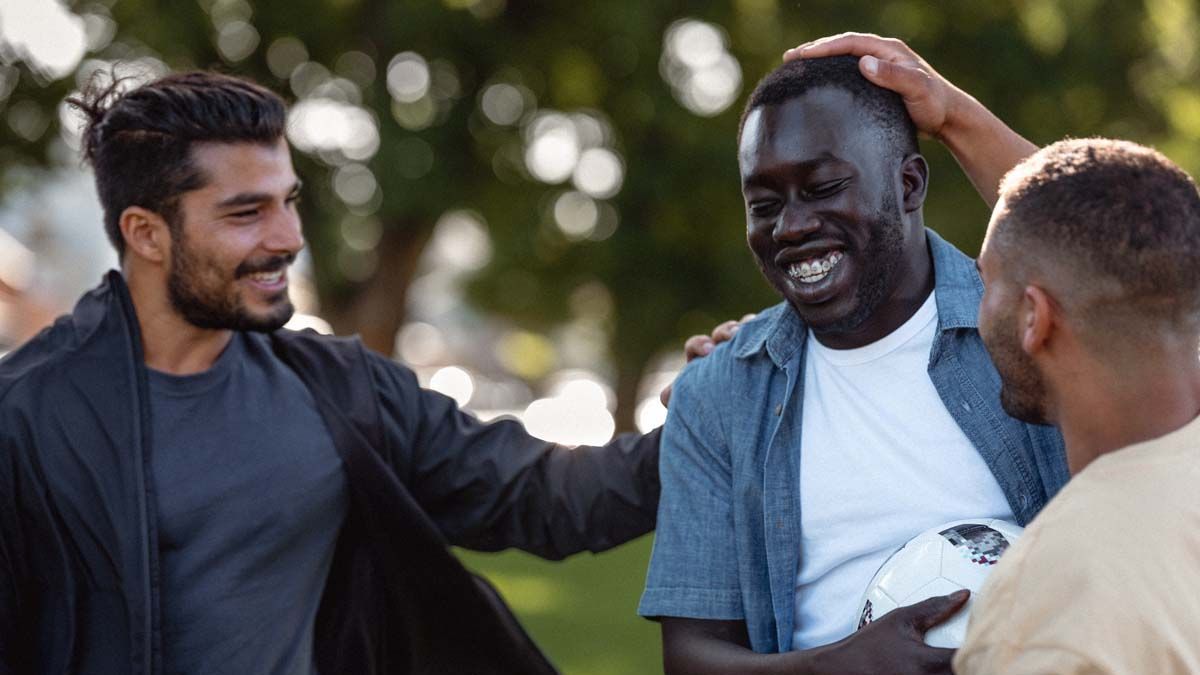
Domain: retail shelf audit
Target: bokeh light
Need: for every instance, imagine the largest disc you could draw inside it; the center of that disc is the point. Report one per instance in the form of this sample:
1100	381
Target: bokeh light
408	77
577	413
502	103
599	172
236	40
552	149
355	184
461	240
285	55
322	124
703	75
420	344
455	383
576	214
44	34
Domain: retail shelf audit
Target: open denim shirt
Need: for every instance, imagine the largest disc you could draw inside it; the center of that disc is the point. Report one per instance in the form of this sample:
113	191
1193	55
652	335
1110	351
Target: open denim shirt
728	540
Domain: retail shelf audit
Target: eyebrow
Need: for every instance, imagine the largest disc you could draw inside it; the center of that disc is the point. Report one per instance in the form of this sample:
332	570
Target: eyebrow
246	198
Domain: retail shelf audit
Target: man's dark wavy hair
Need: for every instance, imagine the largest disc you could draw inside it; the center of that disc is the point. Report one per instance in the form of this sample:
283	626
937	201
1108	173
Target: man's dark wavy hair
139	141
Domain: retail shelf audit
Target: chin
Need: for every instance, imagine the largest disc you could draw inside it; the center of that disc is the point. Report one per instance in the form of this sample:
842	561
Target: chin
837	315
1023	408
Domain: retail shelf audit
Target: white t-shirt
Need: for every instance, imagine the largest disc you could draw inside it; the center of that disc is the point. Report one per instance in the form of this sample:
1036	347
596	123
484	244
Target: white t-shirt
881	460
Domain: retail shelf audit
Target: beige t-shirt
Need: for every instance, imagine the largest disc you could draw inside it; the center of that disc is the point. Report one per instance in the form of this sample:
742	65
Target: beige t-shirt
1107	578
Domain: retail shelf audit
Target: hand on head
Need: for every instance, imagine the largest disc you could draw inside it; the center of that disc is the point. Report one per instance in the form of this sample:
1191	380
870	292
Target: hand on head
931	100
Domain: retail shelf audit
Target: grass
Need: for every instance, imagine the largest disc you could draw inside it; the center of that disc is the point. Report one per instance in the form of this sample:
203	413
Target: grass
582	611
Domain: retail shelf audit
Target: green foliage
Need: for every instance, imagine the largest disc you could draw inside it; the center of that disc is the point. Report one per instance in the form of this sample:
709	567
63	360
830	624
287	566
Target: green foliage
675	263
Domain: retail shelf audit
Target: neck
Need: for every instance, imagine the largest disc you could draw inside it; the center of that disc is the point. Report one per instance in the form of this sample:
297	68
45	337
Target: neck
169	343
1113	408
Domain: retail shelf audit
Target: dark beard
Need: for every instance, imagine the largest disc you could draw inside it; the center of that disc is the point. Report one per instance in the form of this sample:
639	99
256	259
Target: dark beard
880	260
210	308
1022	390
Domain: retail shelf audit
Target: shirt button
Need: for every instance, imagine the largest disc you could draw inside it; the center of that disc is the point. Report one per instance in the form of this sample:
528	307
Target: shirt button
778	409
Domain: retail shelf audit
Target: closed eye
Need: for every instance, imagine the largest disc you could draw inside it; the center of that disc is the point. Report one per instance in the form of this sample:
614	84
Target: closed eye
828	189
763	208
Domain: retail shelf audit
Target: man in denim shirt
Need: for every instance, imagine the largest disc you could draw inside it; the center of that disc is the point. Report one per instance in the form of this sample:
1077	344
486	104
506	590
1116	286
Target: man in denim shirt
857	413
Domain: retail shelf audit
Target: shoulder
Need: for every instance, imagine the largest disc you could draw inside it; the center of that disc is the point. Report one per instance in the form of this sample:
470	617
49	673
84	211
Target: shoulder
737	358
1084	550
36	360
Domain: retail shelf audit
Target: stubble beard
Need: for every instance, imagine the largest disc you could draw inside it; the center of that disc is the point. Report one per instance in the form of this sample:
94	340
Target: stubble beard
205	298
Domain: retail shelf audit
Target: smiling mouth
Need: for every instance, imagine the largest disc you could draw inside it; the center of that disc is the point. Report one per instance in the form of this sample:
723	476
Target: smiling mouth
812	270
269	278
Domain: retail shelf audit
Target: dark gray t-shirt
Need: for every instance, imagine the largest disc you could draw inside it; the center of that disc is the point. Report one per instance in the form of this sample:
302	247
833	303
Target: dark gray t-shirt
251	496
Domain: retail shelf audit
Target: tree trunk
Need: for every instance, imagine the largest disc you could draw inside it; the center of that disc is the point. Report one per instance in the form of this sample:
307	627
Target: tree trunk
376	310
629	380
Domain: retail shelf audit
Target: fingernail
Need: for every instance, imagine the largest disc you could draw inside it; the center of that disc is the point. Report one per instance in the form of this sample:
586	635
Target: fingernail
735	329
870	64
706	348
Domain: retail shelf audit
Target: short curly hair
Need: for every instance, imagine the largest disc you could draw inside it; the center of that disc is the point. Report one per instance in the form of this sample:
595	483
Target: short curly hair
1121	223
797	77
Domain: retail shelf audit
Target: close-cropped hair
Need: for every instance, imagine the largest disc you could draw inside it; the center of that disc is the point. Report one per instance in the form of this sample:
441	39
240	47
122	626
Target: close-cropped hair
1119	219
796	78
139	141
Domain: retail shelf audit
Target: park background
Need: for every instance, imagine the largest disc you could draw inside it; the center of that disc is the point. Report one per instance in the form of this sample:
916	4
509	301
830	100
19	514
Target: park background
532	203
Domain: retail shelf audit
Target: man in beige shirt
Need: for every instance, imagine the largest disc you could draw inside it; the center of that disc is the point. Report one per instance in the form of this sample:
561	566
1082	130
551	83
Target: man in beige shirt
1092	316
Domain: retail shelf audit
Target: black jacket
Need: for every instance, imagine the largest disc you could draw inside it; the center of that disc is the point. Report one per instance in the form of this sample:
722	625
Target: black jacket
79	578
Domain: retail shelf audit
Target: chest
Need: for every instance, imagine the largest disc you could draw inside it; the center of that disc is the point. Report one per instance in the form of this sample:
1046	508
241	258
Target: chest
247	458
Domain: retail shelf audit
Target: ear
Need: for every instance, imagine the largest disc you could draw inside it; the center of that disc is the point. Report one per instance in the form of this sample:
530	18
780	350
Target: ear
914	176
146	234
1039	319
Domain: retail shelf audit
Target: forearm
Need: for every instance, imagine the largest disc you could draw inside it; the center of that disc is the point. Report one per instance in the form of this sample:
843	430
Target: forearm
715	657
720	647
985	147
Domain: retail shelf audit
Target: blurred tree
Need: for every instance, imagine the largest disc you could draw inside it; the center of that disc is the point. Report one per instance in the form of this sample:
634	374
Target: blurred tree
596	140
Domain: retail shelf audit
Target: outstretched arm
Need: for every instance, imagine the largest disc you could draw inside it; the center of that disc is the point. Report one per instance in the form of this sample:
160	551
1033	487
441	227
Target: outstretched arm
984	146
492	486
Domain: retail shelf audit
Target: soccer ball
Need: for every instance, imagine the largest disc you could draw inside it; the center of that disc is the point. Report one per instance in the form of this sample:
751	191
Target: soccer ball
939	561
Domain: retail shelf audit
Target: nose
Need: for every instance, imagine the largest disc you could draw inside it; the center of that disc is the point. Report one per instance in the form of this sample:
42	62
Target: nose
286	235
795	223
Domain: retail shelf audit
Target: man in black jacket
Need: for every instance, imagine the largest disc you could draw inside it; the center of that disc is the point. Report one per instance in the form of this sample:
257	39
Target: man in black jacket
185	487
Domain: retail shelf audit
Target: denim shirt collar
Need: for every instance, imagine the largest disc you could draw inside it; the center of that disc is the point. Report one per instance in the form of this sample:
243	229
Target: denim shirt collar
956	281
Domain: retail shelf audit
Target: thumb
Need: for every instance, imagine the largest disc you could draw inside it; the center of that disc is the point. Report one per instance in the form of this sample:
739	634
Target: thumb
929	613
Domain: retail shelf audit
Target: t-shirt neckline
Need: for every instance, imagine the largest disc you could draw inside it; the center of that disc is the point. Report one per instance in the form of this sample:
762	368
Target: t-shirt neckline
889	343
198	383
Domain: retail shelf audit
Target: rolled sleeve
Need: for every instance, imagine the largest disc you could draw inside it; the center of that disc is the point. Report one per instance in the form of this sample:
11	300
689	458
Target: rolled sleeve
693	569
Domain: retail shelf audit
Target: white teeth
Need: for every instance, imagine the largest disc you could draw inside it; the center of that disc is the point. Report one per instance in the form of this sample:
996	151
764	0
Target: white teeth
812	271
267	277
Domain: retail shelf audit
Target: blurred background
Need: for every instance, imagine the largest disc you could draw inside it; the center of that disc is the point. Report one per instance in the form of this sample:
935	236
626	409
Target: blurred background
533	203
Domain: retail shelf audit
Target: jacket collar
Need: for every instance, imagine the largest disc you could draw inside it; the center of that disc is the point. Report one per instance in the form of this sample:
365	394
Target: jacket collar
780	331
